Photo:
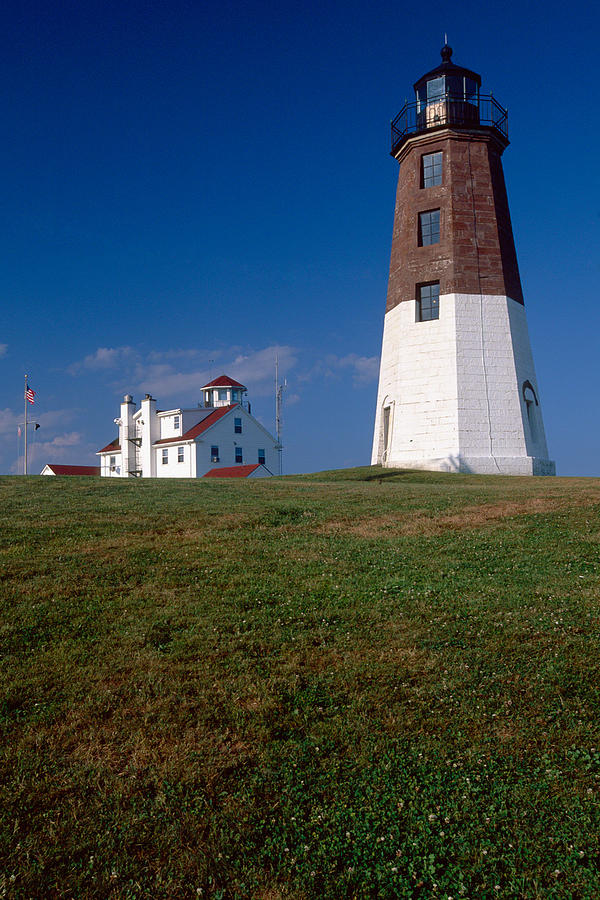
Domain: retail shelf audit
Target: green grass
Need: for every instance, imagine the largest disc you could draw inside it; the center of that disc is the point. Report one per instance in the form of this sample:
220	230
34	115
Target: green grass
358	684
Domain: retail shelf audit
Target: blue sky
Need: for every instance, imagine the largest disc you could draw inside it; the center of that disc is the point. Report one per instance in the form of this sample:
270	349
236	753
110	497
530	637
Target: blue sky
191	188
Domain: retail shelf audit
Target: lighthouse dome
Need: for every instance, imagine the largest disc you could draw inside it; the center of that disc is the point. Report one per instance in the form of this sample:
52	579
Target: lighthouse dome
449	94
450	72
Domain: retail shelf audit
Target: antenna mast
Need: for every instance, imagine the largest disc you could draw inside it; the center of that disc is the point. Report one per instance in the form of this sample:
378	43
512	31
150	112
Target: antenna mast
278	404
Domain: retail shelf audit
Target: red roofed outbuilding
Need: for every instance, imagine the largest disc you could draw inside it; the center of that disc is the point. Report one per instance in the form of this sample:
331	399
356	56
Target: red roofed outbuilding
254	471
55	469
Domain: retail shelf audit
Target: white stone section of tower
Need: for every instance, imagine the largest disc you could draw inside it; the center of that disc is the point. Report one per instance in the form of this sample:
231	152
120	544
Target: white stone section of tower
459	393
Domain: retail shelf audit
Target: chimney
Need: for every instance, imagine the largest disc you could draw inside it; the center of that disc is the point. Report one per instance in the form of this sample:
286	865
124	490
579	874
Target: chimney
150	433
126	433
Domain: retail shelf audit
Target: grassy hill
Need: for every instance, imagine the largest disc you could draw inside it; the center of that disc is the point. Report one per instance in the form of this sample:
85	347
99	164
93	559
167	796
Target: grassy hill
347	685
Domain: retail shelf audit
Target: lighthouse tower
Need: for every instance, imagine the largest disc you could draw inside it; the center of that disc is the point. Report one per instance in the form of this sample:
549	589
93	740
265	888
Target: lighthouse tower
457	385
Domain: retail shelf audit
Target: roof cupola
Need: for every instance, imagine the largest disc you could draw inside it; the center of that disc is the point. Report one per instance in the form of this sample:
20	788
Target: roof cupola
223	391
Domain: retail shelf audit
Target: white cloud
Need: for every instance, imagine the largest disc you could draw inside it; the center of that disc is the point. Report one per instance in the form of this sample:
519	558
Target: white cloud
57	417
3	349
43	443
207	355
104	358
67	447
366	368
9	421
363	369
257	369
162	381
63	440
166	373
176	375
254	368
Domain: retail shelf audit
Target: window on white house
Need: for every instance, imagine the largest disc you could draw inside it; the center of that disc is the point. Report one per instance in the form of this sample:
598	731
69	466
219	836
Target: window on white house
237	426
239	456
165	456
261	457
180	454
112	462
214	453
176	423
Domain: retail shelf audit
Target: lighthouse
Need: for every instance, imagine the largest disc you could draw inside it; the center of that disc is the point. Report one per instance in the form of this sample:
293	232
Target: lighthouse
457	385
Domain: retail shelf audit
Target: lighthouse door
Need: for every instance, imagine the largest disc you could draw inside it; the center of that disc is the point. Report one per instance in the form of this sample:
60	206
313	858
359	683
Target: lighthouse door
386	428
387	421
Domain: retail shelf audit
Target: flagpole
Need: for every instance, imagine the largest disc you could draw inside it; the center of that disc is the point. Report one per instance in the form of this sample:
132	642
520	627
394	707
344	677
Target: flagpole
25	421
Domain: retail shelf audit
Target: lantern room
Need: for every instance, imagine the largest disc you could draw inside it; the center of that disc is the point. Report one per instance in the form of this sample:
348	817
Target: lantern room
448	94
448	97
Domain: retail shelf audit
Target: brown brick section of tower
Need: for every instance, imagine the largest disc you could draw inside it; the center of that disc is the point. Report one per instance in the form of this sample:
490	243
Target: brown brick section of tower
476	251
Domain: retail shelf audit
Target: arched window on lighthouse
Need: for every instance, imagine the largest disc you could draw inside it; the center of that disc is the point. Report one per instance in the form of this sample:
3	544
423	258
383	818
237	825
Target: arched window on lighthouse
531	404
386	427
387	424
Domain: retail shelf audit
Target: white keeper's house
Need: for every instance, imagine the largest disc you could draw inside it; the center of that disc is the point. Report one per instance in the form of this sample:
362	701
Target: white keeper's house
219	438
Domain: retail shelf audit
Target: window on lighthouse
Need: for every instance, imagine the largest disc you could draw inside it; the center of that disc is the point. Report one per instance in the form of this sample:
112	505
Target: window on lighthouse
429	227
436	88
530	405
428	301
431	169
386	427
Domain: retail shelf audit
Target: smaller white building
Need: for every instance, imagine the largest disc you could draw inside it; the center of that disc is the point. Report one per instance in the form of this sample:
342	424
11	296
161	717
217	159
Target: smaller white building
219	434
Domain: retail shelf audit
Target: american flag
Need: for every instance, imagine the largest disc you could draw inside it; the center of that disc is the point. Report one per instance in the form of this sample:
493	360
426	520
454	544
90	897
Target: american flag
30	395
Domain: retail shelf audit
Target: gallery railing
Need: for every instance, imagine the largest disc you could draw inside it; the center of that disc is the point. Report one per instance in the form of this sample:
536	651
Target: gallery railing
448	110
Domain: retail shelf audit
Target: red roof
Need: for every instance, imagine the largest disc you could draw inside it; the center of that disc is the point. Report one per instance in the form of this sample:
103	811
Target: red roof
74	470
114	445
201	426
231	472
224	381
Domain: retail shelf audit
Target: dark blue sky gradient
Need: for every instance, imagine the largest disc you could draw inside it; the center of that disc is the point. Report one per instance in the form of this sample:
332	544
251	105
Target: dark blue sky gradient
188	186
